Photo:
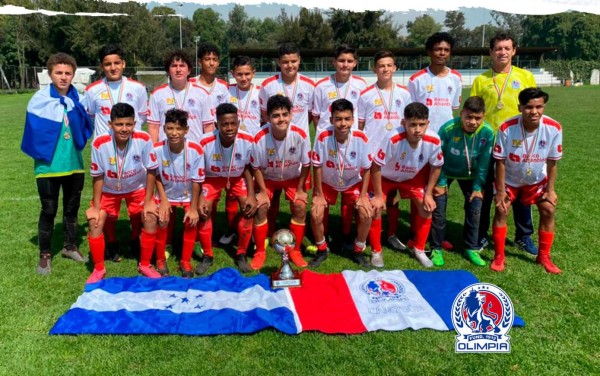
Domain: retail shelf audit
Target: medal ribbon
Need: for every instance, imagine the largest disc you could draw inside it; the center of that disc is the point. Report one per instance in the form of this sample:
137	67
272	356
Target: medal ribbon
529	151
187	86
336	87
342	160
388	108
467	151
121	85
223	154
122	161
244	111
293	98
185	180
501	92
277	153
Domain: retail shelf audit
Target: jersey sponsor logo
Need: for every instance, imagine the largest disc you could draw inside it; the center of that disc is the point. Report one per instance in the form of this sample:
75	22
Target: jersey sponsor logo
517	143
215	168
104	95
377	115
153	157
105	110
332	95
514	157
497	149
94	166
559	148
165	176
315	156
377	102
216	157
381	154
329	164
111	174
429	102
112	160
170	101
397	166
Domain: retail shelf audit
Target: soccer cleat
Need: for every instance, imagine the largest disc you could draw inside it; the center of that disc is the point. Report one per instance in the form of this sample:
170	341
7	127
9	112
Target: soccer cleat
148	271
162	267
96	276
348	245
526	244
498	264
258	261
319	258
361	260
242	263
73	254
112	252
437	257
395	243
226	239
204	264
447	245
423	259
186	270
548	264
377	259
483	243
45	265
297	259
475	257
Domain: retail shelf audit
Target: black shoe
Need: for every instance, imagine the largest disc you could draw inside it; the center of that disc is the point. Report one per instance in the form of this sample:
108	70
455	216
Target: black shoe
112	252
205	263
242	263
361	260
319	258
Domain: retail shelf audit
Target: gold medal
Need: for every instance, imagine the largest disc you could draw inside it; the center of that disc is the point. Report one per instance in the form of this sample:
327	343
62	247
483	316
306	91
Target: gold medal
243	127
67	136
341	182
529	171
500	105
389	126
186	193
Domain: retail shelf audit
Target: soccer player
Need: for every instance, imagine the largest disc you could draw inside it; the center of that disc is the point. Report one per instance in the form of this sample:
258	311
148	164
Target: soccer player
56	131
341	84
121	162
409	160
179	183
244	94
281	162
342	163
527	149
499	87
380	109
467	146
101	95
227	166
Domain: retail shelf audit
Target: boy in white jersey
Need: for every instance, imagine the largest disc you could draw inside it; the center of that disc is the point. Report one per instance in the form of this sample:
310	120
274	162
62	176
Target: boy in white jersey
342	163
410	161
180	94
244	94
122	160
380	111
527	149
281	162
101	95
179	183
227	166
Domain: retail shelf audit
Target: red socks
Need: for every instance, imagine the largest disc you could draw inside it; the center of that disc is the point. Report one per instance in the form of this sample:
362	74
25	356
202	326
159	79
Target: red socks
499	236
546	239
298	231
231	209
161	242
244	234
347	214
205	235
421	231
97	251
147	241
189	238
260	235
375	235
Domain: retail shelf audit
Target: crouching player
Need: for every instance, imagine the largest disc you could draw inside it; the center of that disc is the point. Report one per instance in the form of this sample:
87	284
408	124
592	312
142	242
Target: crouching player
342	164
122	160
409	160
467	146
227	166
178	184
526	151
281	161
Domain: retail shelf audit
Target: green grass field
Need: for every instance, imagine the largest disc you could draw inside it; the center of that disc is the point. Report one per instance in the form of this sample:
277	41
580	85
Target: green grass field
561	312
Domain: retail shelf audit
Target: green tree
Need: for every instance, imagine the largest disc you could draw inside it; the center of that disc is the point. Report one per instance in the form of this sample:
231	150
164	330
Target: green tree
238	31
317	33
420	29
510	22
455	24
209	26
370	29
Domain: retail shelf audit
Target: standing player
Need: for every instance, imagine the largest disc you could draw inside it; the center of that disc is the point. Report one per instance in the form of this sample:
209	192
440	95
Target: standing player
281	162
101	95
180	176
527	149
467	146
380	110
244	94
227	165
499	87
342	165
121	162
408	160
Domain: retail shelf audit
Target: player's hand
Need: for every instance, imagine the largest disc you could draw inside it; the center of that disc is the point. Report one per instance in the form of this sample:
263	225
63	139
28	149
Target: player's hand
439	191
250	206
318	206
502	202
203	209
429	203
378	204
262	199
551	197
93	216
164	212
364	202
475	195
302	196
192	217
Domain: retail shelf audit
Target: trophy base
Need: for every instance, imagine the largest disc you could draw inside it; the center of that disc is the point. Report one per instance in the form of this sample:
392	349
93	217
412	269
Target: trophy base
276	282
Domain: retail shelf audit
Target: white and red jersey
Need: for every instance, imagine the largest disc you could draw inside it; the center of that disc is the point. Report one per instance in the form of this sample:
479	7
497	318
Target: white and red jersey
525	153
177	171
124	169
342	164
248	105
440	94
218	92
100	96
300	93
225	162
192	99
328	90
400	162
378	109
281	160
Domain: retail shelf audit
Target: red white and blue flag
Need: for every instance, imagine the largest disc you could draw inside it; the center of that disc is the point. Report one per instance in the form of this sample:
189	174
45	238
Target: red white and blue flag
227	302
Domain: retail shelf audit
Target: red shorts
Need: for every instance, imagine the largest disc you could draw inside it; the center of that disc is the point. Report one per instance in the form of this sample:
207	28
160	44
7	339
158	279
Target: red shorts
413	188
175	204
111	203
349	196
288	186
212	187
527	194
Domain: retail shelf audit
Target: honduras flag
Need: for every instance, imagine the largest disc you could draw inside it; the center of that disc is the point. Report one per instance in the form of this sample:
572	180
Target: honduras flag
227	302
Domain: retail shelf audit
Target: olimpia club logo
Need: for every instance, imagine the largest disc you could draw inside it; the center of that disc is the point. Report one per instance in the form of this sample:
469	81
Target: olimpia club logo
482	315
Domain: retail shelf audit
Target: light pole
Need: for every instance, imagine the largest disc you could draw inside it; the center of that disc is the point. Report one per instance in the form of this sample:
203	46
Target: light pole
196	39
180	33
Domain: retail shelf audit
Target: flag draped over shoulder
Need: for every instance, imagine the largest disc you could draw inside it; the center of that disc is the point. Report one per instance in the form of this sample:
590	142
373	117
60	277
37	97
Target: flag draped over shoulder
227	302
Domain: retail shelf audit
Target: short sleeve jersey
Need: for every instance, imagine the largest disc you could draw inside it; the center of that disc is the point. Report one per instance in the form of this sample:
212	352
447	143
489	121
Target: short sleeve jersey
128	166
300	93
400	162
524	153
227	162
193	99
248	106
440	94
281	160
342	164
218	93
483	86
101	95
380	108
176	178
328	90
